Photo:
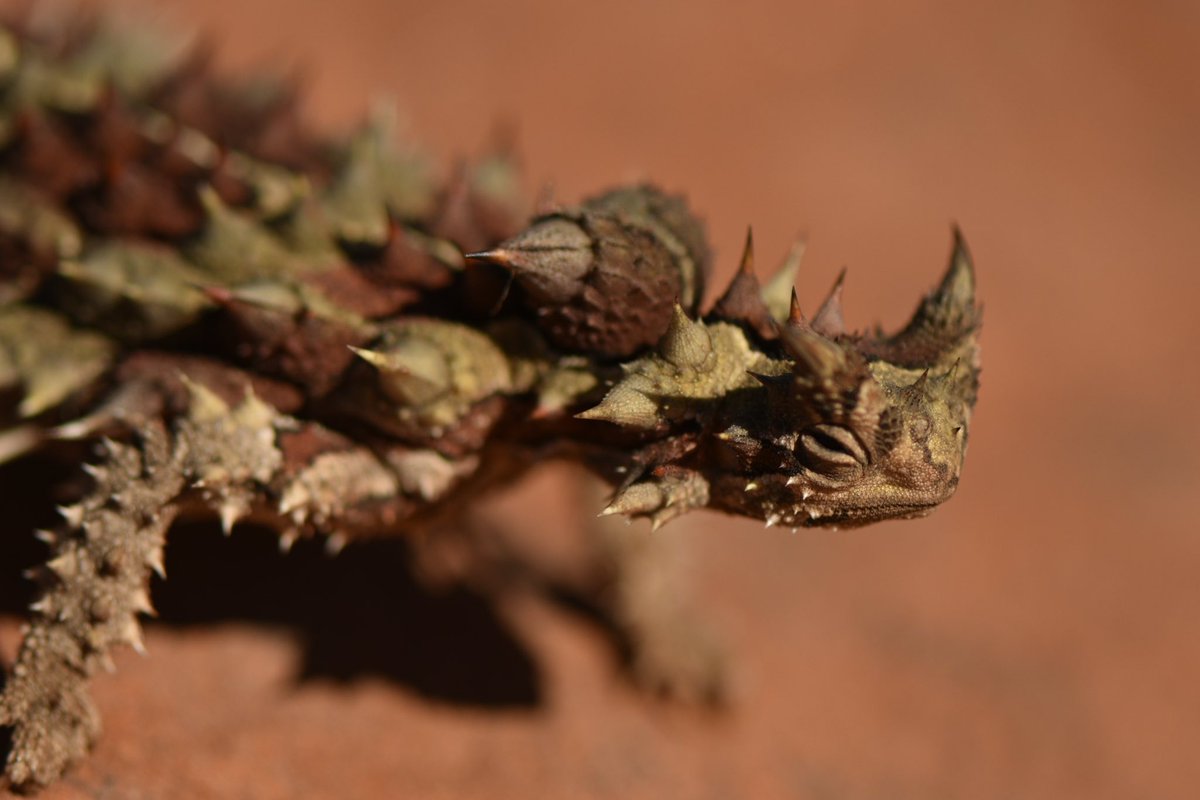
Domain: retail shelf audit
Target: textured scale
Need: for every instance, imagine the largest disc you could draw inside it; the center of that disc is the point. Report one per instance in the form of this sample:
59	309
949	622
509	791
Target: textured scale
325	338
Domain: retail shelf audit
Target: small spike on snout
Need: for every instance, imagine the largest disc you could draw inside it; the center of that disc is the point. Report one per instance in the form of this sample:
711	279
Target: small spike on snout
918	390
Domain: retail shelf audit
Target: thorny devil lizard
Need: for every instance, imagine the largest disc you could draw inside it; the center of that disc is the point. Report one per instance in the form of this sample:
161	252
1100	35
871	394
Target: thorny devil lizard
321	337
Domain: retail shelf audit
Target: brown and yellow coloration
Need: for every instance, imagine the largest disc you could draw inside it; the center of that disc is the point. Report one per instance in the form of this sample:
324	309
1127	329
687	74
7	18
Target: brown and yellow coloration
809	425
323	338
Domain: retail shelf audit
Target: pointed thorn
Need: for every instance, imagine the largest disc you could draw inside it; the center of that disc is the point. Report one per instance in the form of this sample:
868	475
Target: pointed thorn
155	562
132	636
949	312
42	606
372	357
290	502
639	498
918	387
497	256
686	343
660	519
961	256
80	428
776	290
287	539
793	480
795	316
142	604
743	299
71	514
65	566
952	373
812	352
829	320
957	288
47	536
624	407
203	403
230	513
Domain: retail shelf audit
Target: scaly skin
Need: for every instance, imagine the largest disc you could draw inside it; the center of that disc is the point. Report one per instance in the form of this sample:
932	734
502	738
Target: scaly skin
323	338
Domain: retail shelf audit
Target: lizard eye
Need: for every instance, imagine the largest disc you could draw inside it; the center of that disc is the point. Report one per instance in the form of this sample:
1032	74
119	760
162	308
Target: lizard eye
832	450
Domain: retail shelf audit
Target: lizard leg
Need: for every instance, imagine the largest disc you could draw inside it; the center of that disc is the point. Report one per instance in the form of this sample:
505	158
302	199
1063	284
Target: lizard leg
672	652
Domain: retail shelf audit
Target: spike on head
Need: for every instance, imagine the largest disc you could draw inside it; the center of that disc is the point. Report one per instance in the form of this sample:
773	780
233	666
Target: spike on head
814	354
952	373
743	300
829	320
863	428
918	390
777	291
795	317
943	327
958	284
686	343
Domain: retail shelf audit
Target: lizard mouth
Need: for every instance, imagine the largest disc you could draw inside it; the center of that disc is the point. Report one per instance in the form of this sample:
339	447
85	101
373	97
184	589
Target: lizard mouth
860	517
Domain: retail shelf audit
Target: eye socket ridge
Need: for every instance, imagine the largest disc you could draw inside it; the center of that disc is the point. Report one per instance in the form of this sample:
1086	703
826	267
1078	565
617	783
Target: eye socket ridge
833	445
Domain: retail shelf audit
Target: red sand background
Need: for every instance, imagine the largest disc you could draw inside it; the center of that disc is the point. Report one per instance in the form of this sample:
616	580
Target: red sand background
1035	638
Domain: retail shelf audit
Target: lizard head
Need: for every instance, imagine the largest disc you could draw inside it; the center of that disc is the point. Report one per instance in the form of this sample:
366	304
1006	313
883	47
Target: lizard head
863	429
814	426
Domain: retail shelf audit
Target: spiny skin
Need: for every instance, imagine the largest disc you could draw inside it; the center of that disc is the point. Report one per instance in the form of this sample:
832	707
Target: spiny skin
272	327
812	426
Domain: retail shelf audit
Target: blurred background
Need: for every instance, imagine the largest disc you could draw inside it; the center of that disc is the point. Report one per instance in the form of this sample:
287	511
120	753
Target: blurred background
1036	637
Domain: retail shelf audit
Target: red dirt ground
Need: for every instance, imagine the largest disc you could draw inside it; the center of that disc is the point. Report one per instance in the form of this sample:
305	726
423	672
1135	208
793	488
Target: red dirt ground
1035	638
